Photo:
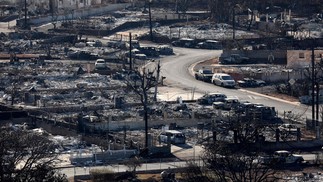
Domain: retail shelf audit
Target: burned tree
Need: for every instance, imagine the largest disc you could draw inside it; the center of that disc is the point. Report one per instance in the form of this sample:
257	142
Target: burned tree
237	159
140	83
225	162
231	163
218	10
27	156
133	163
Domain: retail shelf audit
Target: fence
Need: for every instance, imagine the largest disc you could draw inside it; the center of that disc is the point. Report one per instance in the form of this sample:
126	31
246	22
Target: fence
147	165
108	156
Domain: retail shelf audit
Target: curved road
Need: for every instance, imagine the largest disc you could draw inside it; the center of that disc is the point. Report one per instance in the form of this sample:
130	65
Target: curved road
176	70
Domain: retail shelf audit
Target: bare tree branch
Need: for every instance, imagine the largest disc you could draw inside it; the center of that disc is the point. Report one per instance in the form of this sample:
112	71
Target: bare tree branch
26	156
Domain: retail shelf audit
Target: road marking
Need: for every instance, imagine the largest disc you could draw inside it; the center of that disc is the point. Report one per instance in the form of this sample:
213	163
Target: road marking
233	97
256	97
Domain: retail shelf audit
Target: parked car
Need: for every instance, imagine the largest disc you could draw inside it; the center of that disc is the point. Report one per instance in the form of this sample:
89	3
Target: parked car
149	51
250	82
204	75
134	44
230	103
165	50
223	80
184	42
83	55
210	98
233	59
209	44
100	64
116	44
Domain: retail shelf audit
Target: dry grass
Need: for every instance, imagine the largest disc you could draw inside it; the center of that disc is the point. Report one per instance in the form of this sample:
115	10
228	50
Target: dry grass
154	177
149	177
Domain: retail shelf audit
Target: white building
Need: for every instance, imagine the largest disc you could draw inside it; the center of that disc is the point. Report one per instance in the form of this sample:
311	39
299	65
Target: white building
302	58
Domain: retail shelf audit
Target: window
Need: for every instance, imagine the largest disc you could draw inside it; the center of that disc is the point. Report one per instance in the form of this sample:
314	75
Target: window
301	55
318	55
207	72
227	78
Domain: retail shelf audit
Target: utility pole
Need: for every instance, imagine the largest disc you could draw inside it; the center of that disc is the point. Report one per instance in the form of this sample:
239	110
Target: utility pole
157	79
25	14
150	24
130	52
317	99
233	24
317	84
313	84
145	103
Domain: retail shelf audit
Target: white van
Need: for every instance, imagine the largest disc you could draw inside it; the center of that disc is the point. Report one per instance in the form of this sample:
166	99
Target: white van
223	80
100	64
176	137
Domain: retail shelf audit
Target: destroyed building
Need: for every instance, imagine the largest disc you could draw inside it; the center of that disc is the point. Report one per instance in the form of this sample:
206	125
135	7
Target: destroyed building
61	86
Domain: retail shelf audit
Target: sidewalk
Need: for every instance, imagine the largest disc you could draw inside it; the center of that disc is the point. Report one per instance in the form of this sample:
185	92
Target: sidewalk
172	94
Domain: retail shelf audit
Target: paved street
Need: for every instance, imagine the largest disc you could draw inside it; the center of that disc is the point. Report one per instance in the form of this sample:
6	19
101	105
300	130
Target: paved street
177	69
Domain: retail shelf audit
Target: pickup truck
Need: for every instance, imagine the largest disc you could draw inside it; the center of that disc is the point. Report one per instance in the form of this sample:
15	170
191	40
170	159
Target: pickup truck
233	59
282	157
204	75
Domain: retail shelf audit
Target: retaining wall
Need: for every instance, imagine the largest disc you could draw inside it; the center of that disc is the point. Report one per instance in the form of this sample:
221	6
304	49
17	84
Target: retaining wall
290	145
108	156
261	56
124	26
140	124
76	14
